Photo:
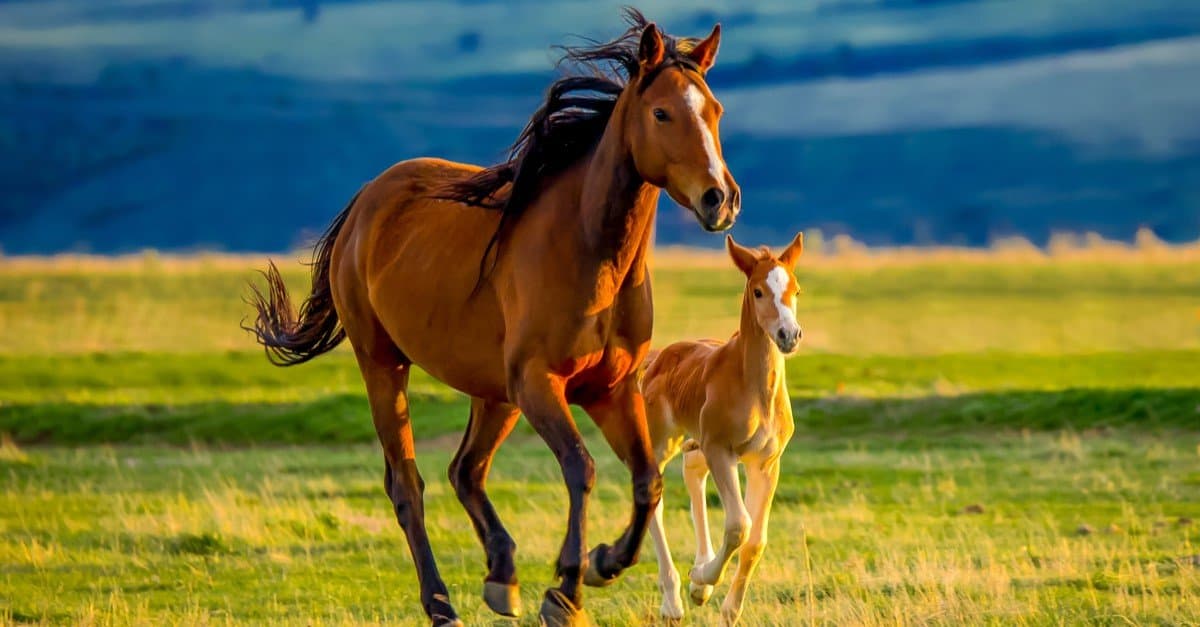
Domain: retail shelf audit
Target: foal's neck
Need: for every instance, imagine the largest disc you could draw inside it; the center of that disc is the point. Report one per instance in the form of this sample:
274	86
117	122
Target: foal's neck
762	362
616	207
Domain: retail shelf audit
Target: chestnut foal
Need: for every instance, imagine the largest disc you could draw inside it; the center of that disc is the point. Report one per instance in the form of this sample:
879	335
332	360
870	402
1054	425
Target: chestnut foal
731	398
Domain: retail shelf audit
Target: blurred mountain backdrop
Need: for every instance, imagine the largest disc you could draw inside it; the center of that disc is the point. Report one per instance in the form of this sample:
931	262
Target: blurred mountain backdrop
245	125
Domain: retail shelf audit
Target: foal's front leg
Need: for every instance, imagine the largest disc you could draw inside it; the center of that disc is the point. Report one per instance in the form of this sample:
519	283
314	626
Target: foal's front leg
722	463
761	481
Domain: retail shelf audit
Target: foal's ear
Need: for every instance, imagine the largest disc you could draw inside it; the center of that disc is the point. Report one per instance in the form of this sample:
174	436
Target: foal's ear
791	255
705	52
743	257
650	51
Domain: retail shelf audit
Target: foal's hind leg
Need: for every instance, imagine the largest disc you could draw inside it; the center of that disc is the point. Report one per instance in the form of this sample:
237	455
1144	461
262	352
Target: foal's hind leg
387	380
695	476
668	577
489	425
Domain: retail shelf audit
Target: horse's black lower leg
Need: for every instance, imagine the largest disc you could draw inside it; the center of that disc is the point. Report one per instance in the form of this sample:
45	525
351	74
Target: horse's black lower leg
489	425
606	563
544	405
406	489
386	376
622	419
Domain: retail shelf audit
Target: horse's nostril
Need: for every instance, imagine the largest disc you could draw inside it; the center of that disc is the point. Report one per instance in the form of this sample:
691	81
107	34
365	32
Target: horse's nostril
712	199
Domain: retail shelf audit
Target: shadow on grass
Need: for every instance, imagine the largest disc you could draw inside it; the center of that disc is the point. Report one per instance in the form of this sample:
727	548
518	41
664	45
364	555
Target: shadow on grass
343	418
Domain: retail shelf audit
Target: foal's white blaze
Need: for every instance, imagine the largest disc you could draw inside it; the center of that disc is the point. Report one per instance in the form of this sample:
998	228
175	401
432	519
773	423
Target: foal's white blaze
695	102
777	283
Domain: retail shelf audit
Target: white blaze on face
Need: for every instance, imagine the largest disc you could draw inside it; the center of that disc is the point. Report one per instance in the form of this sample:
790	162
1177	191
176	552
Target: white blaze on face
695	103
777	283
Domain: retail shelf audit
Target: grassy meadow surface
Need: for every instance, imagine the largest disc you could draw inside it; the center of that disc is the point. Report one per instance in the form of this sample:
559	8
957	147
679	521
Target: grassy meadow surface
1000	437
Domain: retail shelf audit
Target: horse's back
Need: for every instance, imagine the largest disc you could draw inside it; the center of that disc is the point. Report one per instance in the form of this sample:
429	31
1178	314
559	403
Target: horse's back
416	261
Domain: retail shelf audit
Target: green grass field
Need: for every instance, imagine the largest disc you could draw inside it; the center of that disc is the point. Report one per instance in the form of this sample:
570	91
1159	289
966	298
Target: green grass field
986	439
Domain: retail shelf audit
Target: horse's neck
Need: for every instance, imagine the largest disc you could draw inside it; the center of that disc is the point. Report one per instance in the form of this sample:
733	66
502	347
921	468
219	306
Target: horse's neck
762	363
616	208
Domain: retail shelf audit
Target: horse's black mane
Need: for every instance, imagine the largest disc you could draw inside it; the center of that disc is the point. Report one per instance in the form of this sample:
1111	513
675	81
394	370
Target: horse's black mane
569	123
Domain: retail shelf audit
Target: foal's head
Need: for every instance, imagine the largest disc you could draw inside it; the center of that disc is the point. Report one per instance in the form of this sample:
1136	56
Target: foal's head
670	120
771	289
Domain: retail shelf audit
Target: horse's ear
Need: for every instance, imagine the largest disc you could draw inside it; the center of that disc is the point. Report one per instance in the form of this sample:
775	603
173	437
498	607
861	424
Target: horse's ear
791	255
650	51
705	52
743	257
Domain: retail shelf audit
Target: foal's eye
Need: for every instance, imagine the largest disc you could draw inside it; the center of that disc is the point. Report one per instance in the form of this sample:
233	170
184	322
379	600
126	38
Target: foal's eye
661	115
757	293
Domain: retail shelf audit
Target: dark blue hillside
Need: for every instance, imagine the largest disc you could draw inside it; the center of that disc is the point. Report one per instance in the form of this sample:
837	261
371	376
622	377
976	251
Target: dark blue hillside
184	125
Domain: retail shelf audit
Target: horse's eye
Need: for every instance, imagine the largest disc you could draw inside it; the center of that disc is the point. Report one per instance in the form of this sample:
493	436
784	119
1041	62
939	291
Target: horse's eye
661	115
757	293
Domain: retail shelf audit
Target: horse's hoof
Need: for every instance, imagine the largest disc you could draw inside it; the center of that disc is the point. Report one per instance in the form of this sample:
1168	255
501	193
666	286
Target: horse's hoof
559	611
699	593
444	621
503	599
592	576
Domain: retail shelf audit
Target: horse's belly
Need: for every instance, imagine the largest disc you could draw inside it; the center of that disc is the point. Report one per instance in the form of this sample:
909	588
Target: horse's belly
461	346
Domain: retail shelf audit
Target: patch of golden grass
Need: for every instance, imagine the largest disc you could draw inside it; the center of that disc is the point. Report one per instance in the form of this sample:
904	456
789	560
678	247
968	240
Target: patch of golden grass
1081	294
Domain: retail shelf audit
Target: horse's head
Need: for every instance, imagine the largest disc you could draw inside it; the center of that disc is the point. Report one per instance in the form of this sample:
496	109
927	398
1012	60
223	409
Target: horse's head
671	124
771	289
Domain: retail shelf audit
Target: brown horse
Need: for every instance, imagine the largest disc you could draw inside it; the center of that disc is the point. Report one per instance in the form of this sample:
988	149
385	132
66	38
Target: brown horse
556	312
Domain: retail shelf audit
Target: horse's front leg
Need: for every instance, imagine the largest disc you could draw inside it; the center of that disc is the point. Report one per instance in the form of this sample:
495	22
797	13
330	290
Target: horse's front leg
541	397
621	416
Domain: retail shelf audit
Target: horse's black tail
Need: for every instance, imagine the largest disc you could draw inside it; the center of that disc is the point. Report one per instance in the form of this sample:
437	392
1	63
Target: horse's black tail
288	339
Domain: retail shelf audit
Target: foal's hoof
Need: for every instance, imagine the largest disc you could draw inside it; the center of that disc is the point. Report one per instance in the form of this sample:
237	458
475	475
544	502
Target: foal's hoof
699	593
559	611
503	599
592	576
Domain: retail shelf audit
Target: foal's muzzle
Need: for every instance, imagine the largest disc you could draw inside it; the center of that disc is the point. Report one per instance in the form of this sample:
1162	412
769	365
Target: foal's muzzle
787	340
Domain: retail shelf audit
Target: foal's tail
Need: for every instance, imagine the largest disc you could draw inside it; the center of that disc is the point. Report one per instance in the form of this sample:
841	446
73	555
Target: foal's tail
289	340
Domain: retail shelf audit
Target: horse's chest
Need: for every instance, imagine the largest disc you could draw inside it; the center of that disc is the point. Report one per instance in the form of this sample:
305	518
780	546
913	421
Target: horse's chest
608	351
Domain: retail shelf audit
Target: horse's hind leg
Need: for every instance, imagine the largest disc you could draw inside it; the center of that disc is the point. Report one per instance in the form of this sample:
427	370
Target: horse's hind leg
489	425
386	377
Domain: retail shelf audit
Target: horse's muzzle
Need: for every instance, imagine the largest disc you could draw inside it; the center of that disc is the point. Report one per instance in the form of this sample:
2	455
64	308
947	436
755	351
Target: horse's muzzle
720	214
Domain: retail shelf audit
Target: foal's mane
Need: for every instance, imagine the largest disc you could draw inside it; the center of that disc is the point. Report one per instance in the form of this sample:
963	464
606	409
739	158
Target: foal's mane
569	123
